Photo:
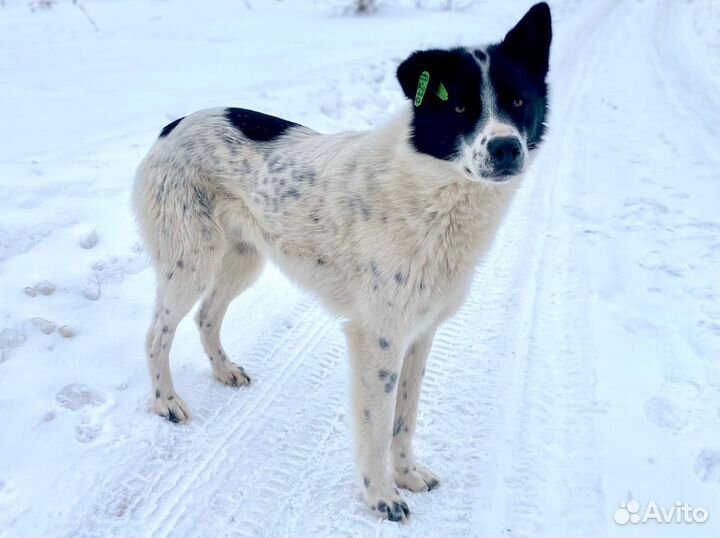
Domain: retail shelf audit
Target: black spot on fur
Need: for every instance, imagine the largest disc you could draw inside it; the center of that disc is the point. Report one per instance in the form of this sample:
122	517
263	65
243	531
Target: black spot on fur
320	261
170	127
358	205
366	481
399	423
172	417
304	175
383	374
157	394
384	343
275	165
400	278
366	412
243	248
480	55
292	193
206	201
180	264
391	383
171	397
165	329
256	125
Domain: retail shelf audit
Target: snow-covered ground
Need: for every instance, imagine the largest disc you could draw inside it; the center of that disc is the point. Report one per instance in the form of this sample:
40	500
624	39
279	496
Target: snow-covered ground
583	371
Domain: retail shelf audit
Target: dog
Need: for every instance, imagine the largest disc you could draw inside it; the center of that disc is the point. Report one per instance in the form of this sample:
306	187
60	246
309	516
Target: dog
384	227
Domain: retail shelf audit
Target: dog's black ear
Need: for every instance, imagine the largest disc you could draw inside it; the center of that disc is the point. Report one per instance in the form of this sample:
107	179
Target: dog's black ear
529	41
425	69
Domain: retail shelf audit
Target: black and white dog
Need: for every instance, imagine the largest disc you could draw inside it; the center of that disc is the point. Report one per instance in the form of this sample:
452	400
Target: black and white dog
385	227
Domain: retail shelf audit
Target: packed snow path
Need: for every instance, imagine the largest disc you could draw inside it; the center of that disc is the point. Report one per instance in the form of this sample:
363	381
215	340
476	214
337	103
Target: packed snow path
582	371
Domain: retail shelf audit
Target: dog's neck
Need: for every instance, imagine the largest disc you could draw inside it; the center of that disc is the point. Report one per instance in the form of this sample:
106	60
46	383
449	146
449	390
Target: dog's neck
463	215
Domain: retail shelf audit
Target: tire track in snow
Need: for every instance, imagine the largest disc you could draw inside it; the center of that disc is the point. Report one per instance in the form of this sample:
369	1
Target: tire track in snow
174	461
548	416
693	96
268	463
684	78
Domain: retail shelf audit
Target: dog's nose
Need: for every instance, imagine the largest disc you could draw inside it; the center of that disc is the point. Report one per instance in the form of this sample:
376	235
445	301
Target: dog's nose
505	154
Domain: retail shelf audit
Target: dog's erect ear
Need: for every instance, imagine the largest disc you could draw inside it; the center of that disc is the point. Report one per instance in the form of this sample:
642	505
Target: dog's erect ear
529	41
421	74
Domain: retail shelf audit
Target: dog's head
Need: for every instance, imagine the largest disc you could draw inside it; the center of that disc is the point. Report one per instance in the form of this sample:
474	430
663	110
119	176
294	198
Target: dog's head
482	109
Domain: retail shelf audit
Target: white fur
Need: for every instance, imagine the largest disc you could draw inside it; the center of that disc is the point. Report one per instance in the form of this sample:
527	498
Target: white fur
385	237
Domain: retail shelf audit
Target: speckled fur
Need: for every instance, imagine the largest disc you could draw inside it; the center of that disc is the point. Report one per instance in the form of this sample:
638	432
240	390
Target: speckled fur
384	236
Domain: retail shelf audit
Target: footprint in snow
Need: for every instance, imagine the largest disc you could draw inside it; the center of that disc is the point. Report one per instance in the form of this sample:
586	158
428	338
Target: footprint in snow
674	407
86	432
9	340
76	396
707	466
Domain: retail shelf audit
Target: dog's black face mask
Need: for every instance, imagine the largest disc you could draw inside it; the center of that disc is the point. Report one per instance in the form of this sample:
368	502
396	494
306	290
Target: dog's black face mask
482	108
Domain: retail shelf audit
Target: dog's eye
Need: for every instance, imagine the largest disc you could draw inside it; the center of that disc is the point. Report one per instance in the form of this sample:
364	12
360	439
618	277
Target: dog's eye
460	109
517	103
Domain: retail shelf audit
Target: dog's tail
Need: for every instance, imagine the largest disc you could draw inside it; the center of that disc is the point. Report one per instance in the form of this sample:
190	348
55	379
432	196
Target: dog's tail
174	202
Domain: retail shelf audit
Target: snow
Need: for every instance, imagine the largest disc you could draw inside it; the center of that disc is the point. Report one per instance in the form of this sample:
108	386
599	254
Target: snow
582	371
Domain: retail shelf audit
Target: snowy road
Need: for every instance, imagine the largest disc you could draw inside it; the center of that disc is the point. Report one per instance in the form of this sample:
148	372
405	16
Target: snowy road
582	372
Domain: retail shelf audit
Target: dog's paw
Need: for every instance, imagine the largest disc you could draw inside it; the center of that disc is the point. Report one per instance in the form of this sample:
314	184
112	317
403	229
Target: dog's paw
232	374
416	478
172	407
388	505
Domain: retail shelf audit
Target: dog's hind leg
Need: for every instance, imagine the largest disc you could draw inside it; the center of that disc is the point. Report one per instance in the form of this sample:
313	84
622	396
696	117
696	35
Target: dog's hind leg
376	358
240	267
408	473
179	287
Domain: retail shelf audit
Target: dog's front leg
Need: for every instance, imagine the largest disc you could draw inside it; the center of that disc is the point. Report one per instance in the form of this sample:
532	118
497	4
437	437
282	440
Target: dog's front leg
376	358
408	473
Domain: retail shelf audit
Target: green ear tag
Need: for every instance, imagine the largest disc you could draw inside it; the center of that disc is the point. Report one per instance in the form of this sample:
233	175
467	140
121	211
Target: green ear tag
442	92
422	86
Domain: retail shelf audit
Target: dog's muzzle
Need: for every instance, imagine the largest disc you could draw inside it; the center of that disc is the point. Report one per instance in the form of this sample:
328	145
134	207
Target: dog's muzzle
505	155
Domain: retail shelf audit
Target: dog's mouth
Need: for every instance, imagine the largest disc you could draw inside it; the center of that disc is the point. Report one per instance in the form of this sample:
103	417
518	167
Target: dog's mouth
502	176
